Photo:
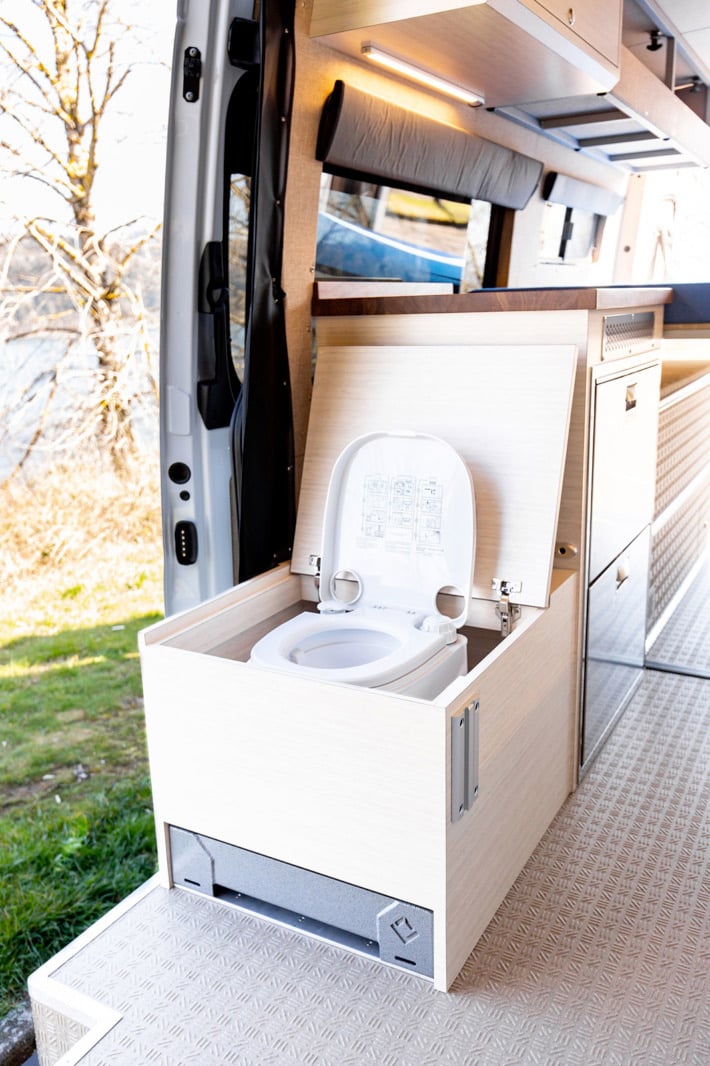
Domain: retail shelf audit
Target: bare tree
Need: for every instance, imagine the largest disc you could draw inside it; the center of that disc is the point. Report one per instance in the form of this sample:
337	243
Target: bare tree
63	75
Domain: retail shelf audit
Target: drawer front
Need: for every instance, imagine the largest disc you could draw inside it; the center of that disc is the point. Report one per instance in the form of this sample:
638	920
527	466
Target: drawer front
623	463
616	629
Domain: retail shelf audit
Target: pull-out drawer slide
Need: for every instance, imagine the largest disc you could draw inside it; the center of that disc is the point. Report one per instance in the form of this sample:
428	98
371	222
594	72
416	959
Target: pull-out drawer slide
388	929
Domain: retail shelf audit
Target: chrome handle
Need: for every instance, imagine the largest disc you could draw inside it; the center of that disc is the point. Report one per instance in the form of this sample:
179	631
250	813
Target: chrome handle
631	396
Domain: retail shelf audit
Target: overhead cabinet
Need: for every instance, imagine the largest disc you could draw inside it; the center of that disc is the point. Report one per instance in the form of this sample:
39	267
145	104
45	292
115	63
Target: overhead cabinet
509	51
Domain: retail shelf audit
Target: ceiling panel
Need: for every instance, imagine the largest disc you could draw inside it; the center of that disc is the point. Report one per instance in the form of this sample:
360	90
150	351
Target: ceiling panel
686	14
687	21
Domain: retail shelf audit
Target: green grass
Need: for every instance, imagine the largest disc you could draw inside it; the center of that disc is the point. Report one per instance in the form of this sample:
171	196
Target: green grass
68	699
63	868
76	826
75	805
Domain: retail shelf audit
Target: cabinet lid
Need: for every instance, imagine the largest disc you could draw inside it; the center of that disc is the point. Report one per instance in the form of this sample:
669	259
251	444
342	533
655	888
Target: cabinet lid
504	409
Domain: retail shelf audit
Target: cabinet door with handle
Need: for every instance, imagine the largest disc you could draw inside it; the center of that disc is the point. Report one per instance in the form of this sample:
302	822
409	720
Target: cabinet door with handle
623	463
599	24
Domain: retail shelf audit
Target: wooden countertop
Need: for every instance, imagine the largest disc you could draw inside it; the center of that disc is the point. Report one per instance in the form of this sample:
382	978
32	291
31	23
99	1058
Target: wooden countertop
326	300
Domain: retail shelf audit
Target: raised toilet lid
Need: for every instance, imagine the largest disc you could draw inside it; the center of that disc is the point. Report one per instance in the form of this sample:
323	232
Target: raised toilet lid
400	518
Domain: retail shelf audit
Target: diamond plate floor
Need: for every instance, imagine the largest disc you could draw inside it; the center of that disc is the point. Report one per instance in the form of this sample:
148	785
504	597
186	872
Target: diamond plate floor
684	643
599	955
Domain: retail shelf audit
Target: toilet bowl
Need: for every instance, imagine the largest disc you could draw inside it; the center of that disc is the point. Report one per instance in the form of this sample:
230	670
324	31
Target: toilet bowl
396	571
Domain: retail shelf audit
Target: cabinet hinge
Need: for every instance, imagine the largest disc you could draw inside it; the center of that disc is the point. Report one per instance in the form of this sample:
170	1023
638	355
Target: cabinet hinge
507	612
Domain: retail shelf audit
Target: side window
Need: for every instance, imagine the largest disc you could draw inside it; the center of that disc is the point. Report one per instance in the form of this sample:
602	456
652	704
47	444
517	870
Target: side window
370	231
240	148
237	256
568	234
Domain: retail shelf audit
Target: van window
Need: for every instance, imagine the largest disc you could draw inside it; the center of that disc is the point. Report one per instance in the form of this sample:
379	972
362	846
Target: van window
376	232
568	234
673	232
238	231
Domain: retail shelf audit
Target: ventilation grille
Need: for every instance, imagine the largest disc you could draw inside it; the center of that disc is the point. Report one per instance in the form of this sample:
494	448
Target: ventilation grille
683	445
627	334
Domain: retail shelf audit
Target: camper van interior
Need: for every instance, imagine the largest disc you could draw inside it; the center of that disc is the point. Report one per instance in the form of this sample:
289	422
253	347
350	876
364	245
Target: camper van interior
428	715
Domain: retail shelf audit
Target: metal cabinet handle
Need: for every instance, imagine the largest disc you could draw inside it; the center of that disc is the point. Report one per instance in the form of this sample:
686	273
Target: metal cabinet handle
623	571
631	396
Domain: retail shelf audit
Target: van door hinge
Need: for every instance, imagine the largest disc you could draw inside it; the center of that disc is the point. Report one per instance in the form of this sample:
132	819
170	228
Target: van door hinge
507	612
464	760
191	74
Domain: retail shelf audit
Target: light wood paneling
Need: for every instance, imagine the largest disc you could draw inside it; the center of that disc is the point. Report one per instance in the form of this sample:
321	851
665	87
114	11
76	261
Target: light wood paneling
522	327
545	57
581	327
339	290
526	770
321	775
354	783
331	16
504	409
598	24
552	327
248	604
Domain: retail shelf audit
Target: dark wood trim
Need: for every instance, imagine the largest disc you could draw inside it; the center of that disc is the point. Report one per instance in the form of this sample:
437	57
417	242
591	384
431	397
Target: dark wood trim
591	299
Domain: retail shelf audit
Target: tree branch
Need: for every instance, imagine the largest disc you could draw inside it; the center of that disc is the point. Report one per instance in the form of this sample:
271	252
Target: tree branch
137	245
64	83
40	427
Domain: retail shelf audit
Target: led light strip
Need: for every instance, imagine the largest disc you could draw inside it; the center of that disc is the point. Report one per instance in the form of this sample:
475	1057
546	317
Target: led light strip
424	77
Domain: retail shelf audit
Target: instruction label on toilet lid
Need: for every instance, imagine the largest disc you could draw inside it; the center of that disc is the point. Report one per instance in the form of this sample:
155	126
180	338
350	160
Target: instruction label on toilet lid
400	517
403	513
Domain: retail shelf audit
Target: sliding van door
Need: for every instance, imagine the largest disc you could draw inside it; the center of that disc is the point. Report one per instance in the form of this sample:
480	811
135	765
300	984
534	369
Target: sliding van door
226	431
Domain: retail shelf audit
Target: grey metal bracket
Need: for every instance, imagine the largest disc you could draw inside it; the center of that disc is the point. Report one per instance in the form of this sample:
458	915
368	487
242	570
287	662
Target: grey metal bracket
464	760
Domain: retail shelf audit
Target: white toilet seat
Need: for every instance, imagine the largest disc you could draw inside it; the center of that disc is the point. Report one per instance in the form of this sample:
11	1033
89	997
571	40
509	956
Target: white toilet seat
366	646
399	520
